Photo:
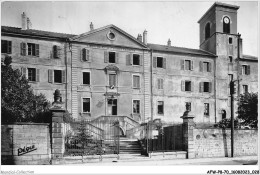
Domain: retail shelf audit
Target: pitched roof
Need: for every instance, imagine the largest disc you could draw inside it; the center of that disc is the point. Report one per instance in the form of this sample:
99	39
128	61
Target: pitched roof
181	50
109	26
32	32
249	57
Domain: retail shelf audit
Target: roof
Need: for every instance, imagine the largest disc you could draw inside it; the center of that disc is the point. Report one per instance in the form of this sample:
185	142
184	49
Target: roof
182	50
220	4
32	32
110	26
249	57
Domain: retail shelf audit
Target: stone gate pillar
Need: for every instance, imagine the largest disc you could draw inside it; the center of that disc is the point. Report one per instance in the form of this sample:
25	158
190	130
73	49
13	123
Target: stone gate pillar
57	135
188	141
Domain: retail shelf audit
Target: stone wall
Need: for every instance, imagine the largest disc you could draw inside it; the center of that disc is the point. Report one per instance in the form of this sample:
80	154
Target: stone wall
217	142
25	144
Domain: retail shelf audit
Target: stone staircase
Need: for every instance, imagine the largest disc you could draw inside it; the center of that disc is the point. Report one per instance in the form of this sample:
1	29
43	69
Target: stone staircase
127	146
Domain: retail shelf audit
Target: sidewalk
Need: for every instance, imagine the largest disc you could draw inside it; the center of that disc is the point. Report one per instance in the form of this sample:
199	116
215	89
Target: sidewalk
138	160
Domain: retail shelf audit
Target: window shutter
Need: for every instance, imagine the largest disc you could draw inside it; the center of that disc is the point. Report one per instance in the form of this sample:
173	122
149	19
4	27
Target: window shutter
54	50
192	86
158	83
117	57
201	66
141	60
9	47
138	82
210	68
106	57
191	65
59	51
24	72
37	75
164	63
161	83
50	76
63	76
210	87
154	62
128	59
248	70
182	85
23	49
240	69
202	86
83	54
37	50
182	64
87	55
230	50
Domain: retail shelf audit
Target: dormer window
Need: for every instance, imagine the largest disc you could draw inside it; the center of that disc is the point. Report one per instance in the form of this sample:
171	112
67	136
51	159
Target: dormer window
207	30
226	25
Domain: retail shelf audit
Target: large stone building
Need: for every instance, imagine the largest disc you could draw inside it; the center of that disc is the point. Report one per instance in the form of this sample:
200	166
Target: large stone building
107	73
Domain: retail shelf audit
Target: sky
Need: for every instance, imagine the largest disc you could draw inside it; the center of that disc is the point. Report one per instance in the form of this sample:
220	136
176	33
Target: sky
175	20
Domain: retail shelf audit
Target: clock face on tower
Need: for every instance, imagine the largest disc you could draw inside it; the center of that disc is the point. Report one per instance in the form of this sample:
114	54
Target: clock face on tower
226	20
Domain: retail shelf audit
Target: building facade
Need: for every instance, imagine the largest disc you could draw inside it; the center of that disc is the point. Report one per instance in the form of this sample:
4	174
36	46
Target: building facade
106	73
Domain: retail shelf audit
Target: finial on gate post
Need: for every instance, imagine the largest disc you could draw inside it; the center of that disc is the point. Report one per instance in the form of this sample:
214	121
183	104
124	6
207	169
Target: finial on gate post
57	104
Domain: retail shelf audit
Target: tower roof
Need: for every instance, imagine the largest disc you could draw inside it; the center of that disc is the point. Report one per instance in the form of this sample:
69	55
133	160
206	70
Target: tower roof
219	4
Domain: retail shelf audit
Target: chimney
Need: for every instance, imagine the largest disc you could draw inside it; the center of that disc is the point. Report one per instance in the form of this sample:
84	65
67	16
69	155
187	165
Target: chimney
139	37
91	26
145	37
29	24
24	22
169	43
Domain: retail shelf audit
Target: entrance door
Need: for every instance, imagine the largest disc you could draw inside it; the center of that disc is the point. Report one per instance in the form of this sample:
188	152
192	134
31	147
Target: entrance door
112	106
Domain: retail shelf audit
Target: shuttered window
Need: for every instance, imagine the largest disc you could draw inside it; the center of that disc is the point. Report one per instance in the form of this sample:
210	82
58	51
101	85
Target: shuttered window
136	81
160	83
23	49
31	74
85	54
56	51
159	62
33	49
205	87
186	65
111	57
6	46
112	79
245	70
56	76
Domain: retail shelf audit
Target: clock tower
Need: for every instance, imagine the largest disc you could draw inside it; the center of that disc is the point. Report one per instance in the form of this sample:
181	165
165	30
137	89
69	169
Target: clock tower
218	35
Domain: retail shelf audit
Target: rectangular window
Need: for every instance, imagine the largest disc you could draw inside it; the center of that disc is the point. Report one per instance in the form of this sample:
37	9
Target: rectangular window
57	76
136	59
6	46
245	89
160	83
187	85
206	109
112	57
206	66
84	55
86	105
160	107
136	106
112	106
230	59
55	51
160	62
187	64
188	106
31	74
33	49
245	69
112	79
206	87
136	81
230	40
86	78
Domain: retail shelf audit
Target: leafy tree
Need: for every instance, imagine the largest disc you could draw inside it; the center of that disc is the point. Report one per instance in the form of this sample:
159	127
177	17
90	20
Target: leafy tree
247	109
18	102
